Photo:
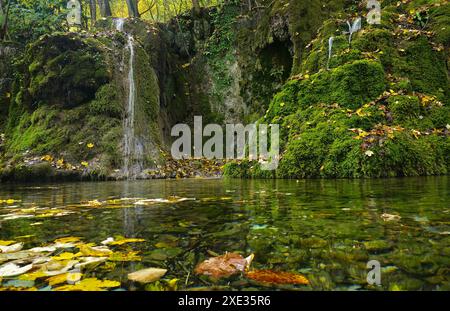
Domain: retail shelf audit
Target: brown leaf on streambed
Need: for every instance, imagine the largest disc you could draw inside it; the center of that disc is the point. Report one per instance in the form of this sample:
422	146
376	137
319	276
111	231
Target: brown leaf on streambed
224	266
277	277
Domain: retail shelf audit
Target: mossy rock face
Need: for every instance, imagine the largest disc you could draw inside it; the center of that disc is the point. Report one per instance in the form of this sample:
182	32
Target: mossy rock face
380	109
64	100
427	69
350	85
69	104
64	70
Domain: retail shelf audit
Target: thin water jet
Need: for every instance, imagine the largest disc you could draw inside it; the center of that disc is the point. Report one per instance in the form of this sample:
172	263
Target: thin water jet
133	151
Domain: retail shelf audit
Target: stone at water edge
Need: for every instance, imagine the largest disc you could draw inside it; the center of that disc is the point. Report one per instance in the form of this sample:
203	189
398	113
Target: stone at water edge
147	275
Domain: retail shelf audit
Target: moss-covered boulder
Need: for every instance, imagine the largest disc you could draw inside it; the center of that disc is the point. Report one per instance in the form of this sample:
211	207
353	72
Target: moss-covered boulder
63	70
374	107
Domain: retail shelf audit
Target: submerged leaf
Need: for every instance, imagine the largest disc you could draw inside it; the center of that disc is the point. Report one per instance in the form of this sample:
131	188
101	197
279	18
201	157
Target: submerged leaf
131	256
224	266
277	277
390	217
147	275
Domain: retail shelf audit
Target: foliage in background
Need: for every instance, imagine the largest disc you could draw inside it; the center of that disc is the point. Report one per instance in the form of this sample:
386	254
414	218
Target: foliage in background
29	19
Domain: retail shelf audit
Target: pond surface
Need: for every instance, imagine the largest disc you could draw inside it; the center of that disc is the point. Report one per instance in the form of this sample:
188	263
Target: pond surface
326	230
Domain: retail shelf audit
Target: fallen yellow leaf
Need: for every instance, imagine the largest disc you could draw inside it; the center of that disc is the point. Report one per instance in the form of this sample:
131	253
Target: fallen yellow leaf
69	239
64	278
66	256
6	243
123	241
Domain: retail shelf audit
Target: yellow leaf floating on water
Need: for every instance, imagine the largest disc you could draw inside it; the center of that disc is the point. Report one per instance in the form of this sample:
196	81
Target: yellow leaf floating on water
47	158
90	284
90	262
131	256
9	201
66	256
147	275
60	162
6	243
64	278
125	240
94	252
173	284
33	275
69	239
93	203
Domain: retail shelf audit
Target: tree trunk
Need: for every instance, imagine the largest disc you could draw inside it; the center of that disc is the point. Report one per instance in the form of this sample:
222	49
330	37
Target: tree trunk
4	14
93	11
196	6
133	10
105	8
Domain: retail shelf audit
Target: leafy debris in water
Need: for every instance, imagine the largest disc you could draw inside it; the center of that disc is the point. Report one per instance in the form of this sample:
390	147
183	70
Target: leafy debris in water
277	277
224	266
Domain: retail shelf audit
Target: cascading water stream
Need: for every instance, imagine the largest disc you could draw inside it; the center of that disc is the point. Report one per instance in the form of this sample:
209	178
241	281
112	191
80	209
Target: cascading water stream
133	150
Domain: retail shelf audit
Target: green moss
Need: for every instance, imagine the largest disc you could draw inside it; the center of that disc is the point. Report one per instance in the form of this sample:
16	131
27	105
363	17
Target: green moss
426	69
35	132
404	107
107	102
63	70
439	22
236	170
284	102
24	173
305	155
325	152
350	85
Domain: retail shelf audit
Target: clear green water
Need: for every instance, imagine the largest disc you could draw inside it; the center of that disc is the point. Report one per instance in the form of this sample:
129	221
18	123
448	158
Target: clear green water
325	229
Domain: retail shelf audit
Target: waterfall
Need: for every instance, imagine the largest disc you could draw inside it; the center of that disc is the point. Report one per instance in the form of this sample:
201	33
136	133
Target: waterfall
133	151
